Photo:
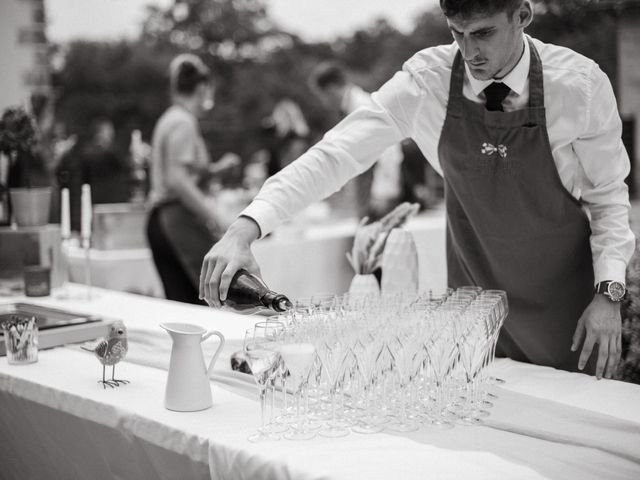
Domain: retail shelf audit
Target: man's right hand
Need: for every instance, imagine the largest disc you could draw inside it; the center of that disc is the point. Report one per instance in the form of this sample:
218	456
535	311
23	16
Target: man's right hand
225	258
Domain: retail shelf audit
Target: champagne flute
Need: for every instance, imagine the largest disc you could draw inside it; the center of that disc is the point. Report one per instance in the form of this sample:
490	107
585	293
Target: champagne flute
366	351
442	350
502	310
471	346
263	359
298	359
273	328
404	356
333	356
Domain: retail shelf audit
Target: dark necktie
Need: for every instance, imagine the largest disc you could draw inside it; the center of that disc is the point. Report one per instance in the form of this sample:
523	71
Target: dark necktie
496	93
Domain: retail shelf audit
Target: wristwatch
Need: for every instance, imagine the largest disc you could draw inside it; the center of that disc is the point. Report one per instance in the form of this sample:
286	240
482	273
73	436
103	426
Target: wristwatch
614	291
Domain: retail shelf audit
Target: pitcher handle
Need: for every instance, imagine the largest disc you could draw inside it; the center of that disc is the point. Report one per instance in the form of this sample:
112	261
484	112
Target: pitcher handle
215	355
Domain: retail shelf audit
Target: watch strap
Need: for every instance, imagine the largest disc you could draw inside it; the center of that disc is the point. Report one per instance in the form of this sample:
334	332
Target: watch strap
603	287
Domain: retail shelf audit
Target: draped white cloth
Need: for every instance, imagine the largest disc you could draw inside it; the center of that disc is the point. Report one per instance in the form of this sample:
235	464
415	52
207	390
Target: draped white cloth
56	421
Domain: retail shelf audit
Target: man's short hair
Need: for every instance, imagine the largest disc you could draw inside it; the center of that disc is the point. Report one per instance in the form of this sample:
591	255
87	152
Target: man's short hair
327	74
468	8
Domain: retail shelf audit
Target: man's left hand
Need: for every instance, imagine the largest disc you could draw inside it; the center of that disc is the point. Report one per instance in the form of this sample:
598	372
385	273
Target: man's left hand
600	323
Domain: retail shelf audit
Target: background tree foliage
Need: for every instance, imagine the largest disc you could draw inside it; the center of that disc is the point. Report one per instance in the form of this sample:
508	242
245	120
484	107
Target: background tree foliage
257	64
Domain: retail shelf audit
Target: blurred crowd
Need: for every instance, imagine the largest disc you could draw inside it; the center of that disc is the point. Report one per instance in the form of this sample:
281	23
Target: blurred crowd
119	171
191	197
190	204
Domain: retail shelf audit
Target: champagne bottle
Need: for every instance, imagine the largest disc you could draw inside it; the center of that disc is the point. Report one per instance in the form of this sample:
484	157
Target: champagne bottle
248	294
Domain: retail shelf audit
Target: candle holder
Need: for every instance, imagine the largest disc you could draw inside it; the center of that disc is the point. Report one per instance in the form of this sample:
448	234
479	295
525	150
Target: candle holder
86	246
65	292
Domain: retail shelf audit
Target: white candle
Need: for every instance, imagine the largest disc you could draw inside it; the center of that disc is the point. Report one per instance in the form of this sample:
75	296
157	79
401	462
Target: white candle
65	215
85	212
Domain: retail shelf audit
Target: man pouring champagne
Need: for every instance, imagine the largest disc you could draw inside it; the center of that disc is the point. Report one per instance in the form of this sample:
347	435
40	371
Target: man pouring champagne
527	136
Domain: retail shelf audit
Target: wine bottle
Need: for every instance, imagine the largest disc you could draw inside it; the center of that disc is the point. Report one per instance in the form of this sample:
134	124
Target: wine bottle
248	294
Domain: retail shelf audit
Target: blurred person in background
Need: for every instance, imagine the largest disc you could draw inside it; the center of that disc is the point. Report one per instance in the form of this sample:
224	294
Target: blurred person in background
182	225
287	134
378	190
420	182
105	169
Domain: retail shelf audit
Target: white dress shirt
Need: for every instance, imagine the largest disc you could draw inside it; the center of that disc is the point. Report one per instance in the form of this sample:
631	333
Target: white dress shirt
583	124
387	181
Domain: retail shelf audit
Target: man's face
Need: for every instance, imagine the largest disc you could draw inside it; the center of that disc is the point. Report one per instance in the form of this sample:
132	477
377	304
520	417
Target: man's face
490	44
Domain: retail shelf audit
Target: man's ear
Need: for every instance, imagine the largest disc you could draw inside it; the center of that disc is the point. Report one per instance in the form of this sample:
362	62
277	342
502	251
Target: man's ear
525	14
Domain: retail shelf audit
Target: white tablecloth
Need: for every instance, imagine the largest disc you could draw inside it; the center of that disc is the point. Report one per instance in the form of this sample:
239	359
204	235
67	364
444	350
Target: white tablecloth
57	422
298	260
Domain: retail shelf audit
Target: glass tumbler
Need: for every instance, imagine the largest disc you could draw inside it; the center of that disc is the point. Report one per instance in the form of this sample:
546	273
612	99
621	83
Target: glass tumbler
21	340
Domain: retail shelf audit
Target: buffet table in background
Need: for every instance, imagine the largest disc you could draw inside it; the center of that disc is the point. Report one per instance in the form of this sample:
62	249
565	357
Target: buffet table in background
57	422
299	259
126	270
305	260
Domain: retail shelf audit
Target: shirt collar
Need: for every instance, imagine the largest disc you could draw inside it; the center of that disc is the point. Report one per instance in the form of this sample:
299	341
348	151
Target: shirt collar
516	79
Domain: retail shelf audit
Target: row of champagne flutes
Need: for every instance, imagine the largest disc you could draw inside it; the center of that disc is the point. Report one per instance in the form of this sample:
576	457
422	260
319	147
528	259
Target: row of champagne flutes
374	363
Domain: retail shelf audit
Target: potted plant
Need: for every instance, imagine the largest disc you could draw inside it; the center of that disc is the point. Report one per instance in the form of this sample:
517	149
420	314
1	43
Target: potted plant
19	140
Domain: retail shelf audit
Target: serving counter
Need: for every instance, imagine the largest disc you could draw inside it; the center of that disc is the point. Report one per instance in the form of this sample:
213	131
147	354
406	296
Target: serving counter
56	421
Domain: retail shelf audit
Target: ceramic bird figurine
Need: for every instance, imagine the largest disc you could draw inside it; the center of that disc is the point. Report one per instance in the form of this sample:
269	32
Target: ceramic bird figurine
110	350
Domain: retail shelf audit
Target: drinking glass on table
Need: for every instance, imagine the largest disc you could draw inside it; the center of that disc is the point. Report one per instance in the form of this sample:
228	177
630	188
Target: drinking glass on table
501	312
472	344
333	353
405	352
21	339
442	351
263	358
273	329
298	357
366	351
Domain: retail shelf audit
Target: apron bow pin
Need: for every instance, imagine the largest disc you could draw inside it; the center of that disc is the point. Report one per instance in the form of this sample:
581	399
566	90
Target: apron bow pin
489	149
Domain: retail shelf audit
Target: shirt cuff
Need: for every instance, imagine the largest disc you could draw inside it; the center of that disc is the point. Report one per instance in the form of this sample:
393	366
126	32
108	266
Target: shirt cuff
263	214
614	270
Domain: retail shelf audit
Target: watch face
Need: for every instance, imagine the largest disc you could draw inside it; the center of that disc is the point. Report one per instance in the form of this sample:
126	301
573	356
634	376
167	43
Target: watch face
616	291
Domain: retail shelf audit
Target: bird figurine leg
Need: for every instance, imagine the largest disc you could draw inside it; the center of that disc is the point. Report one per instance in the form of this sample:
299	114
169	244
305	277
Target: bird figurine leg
106	382
117	382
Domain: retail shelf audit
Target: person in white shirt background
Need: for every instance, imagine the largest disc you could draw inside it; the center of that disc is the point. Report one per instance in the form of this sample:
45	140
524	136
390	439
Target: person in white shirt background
527	136
182	224
376	191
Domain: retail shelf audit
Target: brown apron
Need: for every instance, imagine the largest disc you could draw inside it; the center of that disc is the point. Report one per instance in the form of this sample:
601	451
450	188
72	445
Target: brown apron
512	225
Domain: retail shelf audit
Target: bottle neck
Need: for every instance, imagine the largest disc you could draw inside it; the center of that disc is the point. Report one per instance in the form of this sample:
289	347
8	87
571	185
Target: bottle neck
275	301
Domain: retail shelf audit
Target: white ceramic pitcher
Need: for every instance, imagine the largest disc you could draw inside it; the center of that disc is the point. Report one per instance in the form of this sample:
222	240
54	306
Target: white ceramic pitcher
188	388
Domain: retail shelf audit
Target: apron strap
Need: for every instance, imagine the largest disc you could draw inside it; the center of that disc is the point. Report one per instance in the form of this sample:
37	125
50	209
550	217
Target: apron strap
537	114
455	87
536	82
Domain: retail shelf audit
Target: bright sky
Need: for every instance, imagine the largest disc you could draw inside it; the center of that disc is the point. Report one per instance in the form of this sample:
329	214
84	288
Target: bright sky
311	19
